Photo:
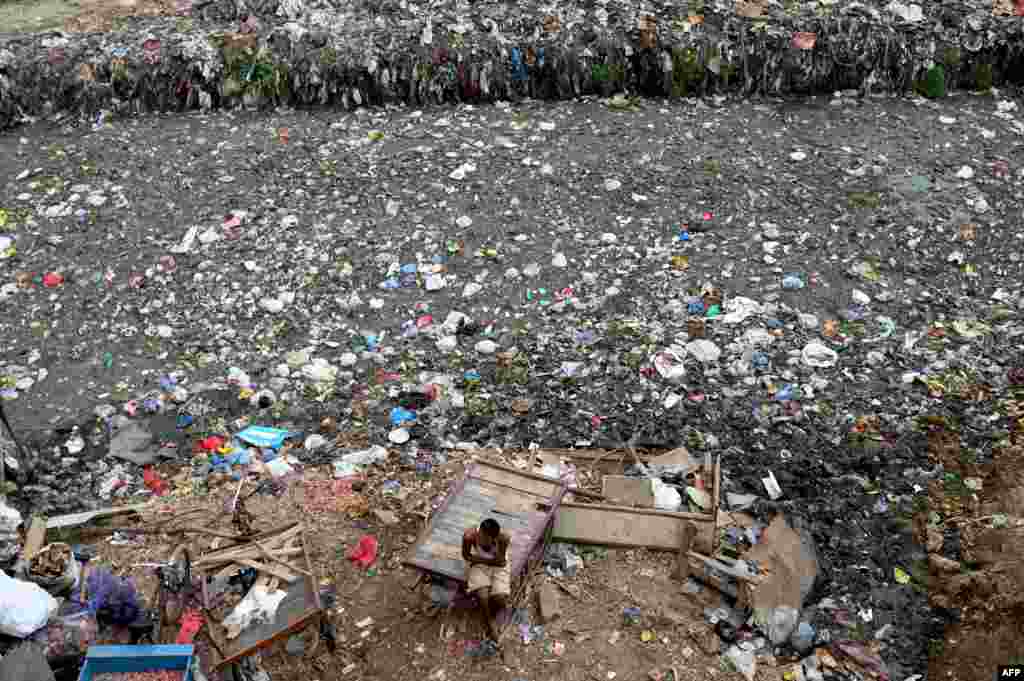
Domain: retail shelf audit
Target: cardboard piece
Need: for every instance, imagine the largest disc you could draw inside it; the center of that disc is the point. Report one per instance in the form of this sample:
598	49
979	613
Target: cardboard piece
35	538
788	564
625	527
628	491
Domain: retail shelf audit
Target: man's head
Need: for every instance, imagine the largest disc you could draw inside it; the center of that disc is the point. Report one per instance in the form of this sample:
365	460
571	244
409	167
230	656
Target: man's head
490	528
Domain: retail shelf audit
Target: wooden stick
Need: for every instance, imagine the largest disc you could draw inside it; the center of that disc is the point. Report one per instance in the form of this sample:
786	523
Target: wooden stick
275	540
685	544
249	555
271	557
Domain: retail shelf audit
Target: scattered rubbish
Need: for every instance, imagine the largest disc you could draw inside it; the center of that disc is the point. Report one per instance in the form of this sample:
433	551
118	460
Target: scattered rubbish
10	520
350	464
135	444
743	660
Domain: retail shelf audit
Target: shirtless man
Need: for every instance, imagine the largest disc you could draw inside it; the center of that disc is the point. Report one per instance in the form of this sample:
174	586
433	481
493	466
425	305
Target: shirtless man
485	550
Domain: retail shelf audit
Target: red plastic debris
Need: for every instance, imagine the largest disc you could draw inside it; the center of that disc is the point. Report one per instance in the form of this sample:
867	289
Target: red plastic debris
154	483
365	552
191	622
53	279
212	443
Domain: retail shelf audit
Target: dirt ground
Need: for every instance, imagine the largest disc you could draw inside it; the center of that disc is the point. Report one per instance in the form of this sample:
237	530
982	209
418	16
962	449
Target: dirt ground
985	583
408	639
76	16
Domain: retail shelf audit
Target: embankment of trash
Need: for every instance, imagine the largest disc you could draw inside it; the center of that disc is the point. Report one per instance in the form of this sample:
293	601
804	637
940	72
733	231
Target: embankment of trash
343	59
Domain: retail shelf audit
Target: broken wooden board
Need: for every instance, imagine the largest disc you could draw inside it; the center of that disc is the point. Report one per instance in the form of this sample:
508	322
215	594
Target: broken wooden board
35	538
300	608
607	461
676	457
78	519
624	491
512	497
625	527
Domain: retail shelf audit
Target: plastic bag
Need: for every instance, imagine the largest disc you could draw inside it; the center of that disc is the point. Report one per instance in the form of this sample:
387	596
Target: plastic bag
24	607
778	623
743	660
350	464
259	605
666	498
112	599
365	553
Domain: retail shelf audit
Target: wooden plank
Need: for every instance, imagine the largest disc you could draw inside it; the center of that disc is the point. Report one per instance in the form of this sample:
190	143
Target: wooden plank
628	491
718	483
637	512
629	528
277	553
76	519
542	488
486	490
272	570
35	538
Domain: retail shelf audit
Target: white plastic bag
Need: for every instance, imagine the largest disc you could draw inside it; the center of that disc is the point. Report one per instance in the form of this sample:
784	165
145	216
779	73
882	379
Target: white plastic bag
24	607
744	661
819	356
259	605
350	464
666	498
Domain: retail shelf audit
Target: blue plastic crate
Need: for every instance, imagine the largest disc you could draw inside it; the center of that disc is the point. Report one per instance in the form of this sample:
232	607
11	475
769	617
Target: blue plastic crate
102	659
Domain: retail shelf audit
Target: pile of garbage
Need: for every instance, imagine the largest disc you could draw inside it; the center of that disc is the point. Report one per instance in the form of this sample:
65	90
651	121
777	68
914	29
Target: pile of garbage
226	54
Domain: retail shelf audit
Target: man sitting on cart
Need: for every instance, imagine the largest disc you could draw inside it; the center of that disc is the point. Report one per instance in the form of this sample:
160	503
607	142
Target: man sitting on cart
485	550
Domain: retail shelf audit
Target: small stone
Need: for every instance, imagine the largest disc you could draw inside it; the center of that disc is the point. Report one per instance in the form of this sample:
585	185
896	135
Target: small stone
559	260
386	517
